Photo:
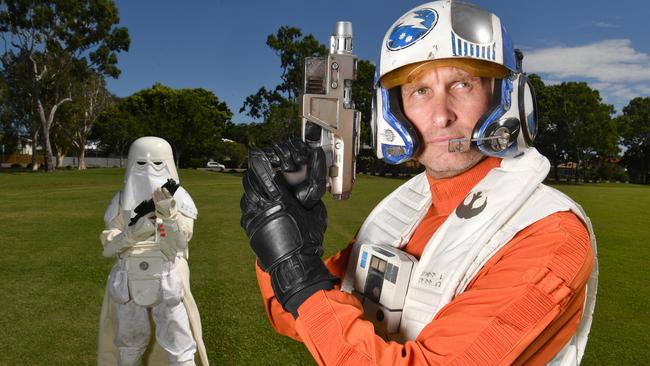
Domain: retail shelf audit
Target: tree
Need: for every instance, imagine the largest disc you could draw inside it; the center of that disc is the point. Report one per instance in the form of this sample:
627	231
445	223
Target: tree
90	99
9	132
117	127
635	132
292	51
550	136
279	107
574	125
53	37
233	153
191	120
362	90
18	111
592	133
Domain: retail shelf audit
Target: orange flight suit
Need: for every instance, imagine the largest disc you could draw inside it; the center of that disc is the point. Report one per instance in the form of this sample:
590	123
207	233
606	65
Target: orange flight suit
521	308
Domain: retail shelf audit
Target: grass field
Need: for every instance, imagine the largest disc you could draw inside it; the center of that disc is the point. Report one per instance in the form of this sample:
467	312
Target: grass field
52	272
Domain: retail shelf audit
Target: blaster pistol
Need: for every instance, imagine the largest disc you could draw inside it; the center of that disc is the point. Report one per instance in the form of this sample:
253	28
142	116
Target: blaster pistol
329	119
147	206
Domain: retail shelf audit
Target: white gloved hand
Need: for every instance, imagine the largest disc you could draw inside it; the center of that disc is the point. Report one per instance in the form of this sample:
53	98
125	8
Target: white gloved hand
171	240
142	230
164	202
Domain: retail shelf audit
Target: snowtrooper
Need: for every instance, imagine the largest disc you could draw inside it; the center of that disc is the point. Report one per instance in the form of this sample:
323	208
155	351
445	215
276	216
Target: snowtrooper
147	228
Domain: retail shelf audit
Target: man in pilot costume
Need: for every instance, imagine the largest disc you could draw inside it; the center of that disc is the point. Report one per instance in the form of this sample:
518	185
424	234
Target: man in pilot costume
151	275
473	262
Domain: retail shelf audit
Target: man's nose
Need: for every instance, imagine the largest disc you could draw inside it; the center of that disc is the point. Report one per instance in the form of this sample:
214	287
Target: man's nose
442	115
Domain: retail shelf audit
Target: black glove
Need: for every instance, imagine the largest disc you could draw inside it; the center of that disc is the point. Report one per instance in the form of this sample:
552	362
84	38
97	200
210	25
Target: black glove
286	223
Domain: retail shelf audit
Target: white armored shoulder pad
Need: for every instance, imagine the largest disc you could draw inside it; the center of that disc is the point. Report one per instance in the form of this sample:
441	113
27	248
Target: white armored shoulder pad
185	204
113	208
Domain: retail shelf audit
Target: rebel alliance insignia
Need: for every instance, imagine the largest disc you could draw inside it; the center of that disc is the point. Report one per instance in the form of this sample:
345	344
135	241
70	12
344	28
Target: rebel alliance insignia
411	28
467	211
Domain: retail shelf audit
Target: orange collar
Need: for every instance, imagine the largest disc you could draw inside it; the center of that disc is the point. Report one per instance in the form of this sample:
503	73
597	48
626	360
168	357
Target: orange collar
447	193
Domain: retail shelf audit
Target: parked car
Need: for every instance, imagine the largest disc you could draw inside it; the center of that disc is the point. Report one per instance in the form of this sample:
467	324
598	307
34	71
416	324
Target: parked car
213	165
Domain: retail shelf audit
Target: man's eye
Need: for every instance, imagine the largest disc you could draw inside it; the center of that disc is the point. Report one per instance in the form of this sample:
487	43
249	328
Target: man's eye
157	162
462	85
420	91
141	162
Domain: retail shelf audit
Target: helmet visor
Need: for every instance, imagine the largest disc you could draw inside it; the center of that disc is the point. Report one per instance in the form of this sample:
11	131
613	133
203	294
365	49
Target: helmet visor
474	67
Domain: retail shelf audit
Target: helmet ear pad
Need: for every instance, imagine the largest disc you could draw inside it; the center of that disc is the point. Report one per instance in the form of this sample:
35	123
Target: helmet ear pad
512	110
395	139
396	105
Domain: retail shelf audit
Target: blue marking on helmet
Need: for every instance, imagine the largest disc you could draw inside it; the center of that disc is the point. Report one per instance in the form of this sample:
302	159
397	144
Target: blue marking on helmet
414	27
509	59
389	156
506	92
453	44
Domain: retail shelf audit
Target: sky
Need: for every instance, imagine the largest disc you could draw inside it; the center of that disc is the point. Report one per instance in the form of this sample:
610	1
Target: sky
220	45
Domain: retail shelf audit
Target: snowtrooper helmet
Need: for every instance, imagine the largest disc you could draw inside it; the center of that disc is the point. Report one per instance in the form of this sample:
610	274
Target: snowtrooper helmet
458	34
150	164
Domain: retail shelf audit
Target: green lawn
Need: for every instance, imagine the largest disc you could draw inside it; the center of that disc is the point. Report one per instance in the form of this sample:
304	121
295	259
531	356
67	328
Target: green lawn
53	274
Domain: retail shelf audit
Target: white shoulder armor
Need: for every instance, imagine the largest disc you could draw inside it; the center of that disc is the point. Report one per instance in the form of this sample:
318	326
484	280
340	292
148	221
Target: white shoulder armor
185	204
113	208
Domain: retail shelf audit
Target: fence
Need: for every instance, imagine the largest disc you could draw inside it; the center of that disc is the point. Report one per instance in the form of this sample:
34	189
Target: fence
94	162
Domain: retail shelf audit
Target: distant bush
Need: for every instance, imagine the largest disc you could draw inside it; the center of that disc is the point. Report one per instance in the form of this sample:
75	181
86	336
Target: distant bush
196	163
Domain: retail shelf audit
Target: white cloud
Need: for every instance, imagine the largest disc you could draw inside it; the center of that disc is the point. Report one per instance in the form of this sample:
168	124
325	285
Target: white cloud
609	60
604	25
552	81
612	67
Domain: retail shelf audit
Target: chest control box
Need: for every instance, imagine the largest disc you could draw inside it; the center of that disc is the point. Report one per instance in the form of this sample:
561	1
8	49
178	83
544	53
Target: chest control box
381	281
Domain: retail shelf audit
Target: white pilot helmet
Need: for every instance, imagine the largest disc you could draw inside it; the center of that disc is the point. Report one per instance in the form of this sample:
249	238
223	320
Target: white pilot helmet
459	34
149	165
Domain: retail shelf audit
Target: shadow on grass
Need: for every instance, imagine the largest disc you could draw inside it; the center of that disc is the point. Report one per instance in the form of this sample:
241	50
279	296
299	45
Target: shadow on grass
16	171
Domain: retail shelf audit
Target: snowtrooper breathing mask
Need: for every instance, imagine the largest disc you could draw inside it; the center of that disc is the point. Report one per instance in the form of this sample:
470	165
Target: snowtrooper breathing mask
453	34
149	165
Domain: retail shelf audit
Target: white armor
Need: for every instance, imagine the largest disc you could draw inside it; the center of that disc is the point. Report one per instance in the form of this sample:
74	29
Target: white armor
460	247
151	272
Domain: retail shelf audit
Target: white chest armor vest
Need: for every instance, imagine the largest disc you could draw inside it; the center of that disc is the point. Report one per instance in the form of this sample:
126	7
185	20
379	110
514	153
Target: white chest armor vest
143	273
510	198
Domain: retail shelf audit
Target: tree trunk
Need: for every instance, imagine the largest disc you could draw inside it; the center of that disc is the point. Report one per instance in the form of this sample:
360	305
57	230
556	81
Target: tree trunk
34	153
82	157
49	156
576	177
46	123
556	173
60	155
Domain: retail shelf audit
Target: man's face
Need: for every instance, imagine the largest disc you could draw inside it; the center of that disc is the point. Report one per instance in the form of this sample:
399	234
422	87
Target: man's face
445	103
